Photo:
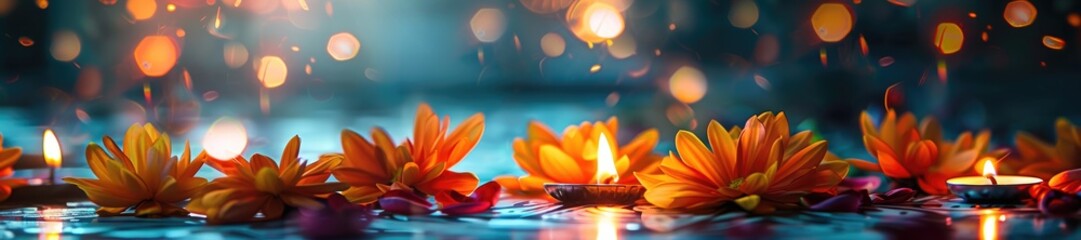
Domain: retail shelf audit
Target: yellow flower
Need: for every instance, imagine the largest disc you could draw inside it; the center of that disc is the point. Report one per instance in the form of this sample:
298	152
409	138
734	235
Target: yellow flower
8	157
1044	160
421	163
261	186
547	158
142	176
760	168
920	158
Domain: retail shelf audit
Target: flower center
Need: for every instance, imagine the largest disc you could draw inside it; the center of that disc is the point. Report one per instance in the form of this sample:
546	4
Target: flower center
735	183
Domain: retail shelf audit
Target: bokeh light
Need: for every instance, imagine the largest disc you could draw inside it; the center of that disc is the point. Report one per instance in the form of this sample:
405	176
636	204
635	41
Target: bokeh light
594	21
1053	42
488	24
623	47
1019	13
142	9
343	46
687	84
66	46
545	6
832	22
744	13
272	71
236	55
553	44
156	55
949	38
88	83
225	139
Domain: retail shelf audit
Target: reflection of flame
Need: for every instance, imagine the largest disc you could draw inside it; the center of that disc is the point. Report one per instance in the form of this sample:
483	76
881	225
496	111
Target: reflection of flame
606	166
51	230
989	224
989	168
606	226
51	149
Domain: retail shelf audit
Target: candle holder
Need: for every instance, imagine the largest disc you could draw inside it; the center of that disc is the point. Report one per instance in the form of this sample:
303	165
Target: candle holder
1004	189
582	194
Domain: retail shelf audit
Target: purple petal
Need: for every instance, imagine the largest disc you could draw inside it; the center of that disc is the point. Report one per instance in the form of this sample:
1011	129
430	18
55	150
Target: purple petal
466	208
406	206
896	196
849	201
337	201
869	183
328	223
1059	203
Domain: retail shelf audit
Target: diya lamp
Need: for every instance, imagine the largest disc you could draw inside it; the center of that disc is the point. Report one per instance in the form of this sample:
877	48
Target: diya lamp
605	191
46	189
991	187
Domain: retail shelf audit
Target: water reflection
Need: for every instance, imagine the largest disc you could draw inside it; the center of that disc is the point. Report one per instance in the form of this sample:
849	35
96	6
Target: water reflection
606	225
989	220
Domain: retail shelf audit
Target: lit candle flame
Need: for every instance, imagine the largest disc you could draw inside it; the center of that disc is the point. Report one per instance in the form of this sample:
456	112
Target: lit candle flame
606	165
989	168
51	149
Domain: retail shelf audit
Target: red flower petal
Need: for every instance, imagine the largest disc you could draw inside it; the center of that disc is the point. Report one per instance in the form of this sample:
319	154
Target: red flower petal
405	202
466	208
489	192
848	201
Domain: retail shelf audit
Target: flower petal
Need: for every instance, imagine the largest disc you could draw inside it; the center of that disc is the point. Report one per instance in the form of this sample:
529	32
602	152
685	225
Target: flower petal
695	154
450	181
267	181
891	166
466	208
362	194
560	166
676	195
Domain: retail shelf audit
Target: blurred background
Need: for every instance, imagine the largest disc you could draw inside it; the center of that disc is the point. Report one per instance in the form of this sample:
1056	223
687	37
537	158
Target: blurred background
252	73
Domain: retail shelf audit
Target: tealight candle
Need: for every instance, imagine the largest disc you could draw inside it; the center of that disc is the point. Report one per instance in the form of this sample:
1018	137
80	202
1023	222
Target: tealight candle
603	192
991	187
46	190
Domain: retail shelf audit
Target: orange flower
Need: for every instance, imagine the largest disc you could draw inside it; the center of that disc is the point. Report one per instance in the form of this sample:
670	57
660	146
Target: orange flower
422	163
547	158
760	168
142	176
8	157
1041	159
920	158
261	186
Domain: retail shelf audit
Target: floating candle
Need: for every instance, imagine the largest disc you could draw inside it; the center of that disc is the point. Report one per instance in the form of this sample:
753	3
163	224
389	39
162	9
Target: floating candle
603	192
991	187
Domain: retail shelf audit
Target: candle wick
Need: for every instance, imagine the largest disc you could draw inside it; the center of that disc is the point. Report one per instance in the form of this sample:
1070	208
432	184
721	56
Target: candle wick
992	178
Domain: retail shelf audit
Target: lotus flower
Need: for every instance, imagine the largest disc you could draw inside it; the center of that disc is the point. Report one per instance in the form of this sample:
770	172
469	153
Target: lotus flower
571	158
261	186
1042	159
421	164
142	176
760	168
920	158
8	157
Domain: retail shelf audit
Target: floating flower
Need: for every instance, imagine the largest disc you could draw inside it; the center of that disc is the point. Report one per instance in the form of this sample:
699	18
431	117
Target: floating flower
920	158
1042	159
571	158
482	199
760	168
141	175
420	164
261	186
8	157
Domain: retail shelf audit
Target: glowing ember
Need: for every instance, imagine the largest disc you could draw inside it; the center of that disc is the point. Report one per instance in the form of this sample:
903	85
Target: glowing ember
181	33
142	9
545	6
553	45
1074	19
343	46
595	68
50	149
1019	13
488	24
623	47
832	22
170	7
595	21
903	3
156	55
1053	42
863	45
66	46
25	41
744	14
43	4
225	139
687	84
949	38
235	54
272	71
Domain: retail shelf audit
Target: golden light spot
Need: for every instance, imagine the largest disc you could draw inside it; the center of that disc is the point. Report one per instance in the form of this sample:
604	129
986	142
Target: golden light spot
180	32
1019	13
863	45
983	36
595	68
170	7
43	4
744	13
272	71
295	48
156	55
1053	42
303	4
545	6
623	47
66	46
832	22
949	38
595	21
25	41
142	9
553	45
488	24
225	139
1074	19
308	69
217	19
343	46
972	14
687	84
235	54
903	3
